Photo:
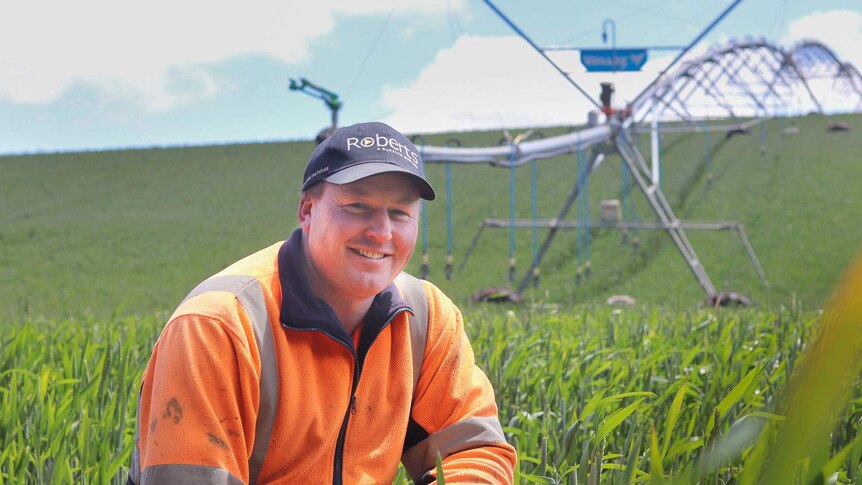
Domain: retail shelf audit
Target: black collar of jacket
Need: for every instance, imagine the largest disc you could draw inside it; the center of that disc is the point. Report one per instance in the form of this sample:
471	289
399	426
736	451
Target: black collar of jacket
302	310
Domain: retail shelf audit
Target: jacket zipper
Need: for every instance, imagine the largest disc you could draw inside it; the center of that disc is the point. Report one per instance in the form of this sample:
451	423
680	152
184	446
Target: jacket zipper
339	444
337	478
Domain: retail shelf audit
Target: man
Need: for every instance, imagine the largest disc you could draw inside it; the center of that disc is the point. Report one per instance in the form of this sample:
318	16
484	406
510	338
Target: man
309	362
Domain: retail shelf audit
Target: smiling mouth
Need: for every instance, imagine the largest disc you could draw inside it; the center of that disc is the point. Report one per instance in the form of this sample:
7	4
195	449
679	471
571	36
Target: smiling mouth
370	254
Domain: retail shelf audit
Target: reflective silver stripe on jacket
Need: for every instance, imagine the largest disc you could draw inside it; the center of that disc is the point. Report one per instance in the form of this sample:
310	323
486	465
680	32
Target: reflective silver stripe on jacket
464	435
135	468
250	295
189	475
414	292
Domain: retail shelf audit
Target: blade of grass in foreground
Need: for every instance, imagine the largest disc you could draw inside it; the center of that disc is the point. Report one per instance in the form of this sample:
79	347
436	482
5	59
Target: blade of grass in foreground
672	416
738	392
819	387
616	418
441	478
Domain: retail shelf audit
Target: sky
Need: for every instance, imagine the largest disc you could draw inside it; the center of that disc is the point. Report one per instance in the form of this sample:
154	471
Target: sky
102	74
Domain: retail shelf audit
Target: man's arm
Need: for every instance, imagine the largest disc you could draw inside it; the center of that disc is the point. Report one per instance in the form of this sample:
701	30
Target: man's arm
198	404
454	411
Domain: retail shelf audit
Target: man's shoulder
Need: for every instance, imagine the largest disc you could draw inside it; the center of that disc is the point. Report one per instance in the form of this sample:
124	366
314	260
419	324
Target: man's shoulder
431	290
436	293
436	298
216	297
261	263
217	305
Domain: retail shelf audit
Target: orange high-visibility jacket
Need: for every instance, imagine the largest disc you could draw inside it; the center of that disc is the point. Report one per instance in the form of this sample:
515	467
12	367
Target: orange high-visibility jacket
254	380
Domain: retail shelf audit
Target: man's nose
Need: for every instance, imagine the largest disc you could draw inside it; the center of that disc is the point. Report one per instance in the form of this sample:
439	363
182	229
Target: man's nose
379	226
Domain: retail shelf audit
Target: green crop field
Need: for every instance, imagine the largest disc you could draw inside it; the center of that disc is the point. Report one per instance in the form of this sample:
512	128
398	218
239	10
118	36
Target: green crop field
88	233
98	248
587	396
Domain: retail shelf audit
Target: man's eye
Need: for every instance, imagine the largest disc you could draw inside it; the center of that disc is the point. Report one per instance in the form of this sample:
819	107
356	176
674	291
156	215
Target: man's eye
357	206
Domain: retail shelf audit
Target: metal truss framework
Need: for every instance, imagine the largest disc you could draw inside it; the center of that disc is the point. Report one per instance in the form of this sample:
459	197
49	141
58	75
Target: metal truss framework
754	78
750	78
739	79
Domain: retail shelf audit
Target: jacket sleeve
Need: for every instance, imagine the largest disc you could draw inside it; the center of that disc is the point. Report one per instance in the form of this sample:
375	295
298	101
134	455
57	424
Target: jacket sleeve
454	411
198	403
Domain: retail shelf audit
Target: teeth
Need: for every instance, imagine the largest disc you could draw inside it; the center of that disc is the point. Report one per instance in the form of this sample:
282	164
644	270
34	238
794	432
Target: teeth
369	254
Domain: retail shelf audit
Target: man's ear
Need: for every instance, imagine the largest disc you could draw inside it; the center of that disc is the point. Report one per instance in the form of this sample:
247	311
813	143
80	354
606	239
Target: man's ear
303	213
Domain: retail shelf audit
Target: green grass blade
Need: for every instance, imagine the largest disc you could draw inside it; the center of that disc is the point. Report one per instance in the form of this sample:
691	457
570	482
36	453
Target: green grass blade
616	419
656	471
739	391
672	416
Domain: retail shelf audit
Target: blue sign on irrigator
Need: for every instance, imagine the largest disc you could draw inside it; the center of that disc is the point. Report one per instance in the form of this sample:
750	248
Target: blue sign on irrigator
607	60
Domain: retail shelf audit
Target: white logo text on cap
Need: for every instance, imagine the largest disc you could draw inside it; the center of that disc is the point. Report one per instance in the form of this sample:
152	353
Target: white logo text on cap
387	144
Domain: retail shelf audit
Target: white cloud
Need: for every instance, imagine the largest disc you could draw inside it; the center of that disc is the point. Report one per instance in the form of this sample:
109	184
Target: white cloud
497	82
47	47
840	30
493	82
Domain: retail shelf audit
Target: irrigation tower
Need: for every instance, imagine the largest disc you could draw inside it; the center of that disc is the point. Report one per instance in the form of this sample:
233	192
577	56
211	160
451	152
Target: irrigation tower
744	81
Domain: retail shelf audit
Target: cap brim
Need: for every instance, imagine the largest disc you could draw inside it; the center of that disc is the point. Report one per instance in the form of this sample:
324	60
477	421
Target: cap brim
367	169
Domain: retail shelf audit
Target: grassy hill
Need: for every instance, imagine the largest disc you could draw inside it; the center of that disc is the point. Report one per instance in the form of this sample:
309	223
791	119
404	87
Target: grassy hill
133	230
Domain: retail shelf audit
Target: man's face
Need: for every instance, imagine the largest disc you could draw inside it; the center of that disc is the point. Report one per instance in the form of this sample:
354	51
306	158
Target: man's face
360	235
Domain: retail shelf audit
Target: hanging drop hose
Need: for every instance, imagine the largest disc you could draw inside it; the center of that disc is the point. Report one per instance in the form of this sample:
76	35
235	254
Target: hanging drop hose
629	210
512	200
453	142
584	270
583	215
625	192
513	153
425	269
633	213
512	205
626	200
534	207
534	215
707	147
588	271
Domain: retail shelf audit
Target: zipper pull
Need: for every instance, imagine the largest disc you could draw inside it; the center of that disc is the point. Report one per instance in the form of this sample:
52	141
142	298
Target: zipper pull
353	405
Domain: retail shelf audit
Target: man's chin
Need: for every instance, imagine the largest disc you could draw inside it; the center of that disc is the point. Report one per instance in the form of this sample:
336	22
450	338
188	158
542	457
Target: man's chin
370	285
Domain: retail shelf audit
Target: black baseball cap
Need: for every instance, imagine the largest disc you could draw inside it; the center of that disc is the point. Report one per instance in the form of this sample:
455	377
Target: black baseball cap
362	150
